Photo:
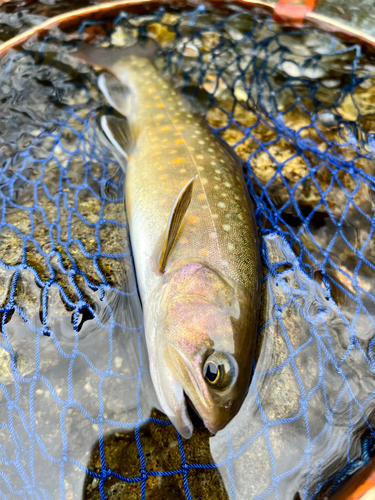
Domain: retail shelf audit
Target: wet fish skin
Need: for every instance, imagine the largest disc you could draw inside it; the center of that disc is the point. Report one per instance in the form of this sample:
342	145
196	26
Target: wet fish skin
205	304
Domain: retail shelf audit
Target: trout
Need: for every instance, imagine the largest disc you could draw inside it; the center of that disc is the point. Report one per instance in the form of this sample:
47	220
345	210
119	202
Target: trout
194	242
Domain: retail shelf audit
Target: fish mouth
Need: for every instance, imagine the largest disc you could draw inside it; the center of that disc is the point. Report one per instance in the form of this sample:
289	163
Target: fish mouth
179	415
186	411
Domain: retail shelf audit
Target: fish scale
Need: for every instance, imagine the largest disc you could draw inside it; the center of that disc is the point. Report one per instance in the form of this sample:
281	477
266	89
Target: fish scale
194	242
173	146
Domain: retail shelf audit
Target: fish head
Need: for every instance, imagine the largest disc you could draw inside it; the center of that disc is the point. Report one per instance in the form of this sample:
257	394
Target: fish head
204	348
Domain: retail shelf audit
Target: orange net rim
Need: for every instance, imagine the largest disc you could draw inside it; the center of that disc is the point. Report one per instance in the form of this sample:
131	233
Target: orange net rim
110	9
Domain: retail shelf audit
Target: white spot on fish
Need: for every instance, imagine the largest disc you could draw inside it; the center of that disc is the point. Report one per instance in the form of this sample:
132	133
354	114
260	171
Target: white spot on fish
226	227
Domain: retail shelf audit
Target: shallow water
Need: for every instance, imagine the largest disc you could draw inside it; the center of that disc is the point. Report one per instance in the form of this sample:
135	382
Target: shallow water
76	396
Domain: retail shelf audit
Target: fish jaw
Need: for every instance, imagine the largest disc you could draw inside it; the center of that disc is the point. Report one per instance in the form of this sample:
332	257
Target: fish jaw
175	401
171	396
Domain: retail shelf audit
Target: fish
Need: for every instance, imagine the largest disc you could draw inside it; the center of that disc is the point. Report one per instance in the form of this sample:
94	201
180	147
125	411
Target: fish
194	240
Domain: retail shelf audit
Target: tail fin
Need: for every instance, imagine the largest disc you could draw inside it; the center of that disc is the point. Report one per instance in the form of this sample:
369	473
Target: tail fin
108	58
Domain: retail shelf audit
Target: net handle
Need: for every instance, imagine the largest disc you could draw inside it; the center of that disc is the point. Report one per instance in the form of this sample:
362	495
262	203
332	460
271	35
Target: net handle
282	12
292	12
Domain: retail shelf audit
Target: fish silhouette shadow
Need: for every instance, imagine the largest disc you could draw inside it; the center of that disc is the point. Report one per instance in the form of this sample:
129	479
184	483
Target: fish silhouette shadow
161	453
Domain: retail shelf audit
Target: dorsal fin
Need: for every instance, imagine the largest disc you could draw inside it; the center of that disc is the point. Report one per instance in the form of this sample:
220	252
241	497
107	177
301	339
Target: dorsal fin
119	133
175	219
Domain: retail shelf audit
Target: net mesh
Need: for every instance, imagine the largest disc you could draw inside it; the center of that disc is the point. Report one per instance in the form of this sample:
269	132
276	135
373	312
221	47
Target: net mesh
297	106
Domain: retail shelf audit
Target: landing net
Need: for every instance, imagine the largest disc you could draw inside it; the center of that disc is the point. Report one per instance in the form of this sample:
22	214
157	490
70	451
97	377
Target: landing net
298	107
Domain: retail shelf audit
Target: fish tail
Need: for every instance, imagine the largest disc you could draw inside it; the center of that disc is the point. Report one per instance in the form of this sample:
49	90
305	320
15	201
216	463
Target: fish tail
109	58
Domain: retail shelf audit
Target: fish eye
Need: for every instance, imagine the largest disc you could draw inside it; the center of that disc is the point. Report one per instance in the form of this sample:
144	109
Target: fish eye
220	370
213	372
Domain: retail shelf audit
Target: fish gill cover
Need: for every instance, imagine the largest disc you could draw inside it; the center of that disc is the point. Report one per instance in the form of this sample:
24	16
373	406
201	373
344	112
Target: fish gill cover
77	406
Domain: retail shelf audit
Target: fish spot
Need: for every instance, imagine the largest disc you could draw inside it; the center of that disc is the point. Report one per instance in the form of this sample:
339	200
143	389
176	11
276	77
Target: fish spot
204	252
164	129
227	184
159	117
180	127
204	181
163	177
221	161
216	186
184	241
183	171
202	196
160	105
179	141
215	216
174	120
200	168
236	197
200	157
178	160
190	148
201	142
189	115
217	178
240	216
173	151
230	246
224	195
160	168
221	204
210	150
213	163
193	219
156	153
218	171
226	227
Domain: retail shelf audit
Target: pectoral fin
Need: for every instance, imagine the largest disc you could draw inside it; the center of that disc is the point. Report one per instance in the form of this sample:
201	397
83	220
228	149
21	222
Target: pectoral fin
174	223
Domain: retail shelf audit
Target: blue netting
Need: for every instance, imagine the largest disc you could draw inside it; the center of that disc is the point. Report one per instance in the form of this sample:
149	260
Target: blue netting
296	106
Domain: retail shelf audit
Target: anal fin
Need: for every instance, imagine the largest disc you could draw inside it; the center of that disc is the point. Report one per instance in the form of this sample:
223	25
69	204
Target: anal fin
118	95
175	220
119	133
